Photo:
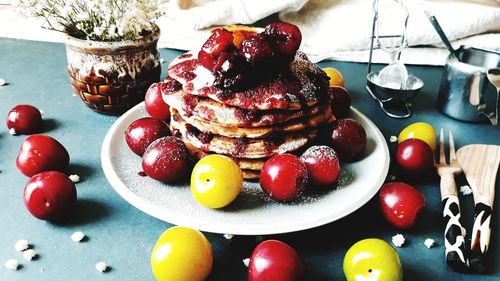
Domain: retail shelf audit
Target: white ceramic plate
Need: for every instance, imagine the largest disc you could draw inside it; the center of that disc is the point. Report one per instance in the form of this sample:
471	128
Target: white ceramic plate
252	213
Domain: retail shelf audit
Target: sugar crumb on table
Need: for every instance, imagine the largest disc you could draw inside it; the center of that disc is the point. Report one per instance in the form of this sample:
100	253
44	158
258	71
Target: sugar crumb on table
101	266
21	245
11	264
77	236
29	254
74	178
398	240
429	243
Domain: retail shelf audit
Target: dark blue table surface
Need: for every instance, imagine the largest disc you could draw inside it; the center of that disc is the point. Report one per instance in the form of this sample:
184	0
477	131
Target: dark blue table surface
123	236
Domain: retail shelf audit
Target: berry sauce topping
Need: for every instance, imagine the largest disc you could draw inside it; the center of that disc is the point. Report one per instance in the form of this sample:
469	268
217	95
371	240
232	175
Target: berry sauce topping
239	60
170	86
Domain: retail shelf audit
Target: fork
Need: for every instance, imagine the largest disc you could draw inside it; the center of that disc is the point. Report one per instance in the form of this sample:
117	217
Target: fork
454	232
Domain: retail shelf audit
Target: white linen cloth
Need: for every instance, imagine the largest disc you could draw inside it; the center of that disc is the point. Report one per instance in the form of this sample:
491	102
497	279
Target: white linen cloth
332	29
338	29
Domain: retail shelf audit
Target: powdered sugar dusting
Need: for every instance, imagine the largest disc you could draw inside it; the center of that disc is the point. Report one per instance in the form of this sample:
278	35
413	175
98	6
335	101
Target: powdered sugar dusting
304	81
204	78
253	212
292	145
319	152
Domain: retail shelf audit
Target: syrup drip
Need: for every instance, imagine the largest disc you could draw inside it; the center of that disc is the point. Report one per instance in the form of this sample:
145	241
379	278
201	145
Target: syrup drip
246	116
170	86
241	145
189	104
142	174
185	56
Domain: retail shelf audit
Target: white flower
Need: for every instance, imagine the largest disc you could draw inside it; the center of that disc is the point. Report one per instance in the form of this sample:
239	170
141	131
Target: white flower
93	19
66	11
107	16
112	30
98	30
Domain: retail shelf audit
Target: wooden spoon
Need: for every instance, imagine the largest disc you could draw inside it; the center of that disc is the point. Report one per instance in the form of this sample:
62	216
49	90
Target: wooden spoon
480	165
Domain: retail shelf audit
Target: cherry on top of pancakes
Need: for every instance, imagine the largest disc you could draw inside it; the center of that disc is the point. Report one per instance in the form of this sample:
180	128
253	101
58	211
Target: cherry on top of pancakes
265	72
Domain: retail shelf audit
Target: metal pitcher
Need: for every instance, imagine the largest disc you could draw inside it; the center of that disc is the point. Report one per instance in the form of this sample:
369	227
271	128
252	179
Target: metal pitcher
466	93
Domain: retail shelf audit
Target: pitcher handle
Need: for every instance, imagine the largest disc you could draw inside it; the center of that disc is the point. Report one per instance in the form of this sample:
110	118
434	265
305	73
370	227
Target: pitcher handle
493	116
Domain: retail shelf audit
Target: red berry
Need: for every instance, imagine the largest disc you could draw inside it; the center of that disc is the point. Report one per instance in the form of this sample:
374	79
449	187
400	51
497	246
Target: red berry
287	36
220	41
229	63
256	50
275	260
50	195
341	103
166	159
206	60
283	177
322	165
240	35
153	101
24	119
142	132
348	138
41	153
401	204
415	157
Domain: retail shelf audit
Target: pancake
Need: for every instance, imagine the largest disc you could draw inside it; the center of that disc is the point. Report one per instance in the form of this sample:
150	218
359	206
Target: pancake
251	175
250	167
248	164
208	110
241	147
302	85
301	124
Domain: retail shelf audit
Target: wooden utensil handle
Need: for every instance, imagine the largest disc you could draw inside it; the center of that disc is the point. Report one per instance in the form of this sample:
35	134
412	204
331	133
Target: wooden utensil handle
454	235
481	233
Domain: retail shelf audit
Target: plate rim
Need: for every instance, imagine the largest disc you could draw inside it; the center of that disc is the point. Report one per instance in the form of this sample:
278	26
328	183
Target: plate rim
149	208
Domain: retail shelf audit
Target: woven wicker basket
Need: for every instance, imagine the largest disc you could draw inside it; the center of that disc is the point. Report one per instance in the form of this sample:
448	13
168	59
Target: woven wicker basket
111	77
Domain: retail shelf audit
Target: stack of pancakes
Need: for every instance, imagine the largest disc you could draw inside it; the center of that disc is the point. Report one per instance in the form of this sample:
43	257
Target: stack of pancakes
279	115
